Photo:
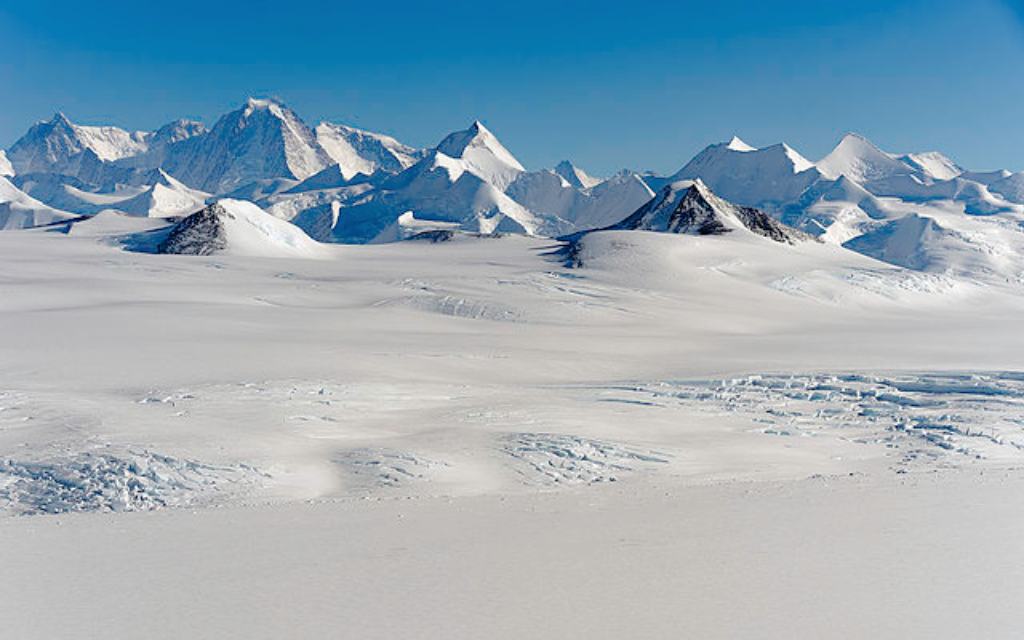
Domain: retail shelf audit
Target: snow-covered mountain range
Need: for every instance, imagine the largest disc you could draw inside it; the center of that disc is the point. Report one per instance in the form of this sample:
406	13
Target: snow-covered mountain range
341	184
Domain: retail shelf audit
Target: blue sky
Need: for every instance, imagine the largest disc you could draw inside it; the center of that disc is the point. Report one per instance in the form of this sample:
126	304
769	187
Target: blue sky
607	84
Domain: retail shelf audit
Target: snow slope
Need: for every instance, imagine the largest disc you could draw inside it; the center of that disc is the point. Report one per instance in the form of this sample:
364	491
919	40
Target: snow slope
860	160
690	207
465	188
987	250
548	194
56	144
163	197
6	169
19	210
685	421
148	193
835	210
575	176
934	164
161	140
483	155
767	177
439	188
1010	187
356	151
236	227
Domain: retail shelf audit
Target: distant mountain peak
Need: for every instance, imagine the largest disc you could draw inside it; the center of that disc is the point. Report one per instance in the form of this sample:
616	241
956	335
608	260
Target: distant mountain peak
262	103
690	207
736	144
760	177
60	119
482	154
262	139
861	160
364	152
575	176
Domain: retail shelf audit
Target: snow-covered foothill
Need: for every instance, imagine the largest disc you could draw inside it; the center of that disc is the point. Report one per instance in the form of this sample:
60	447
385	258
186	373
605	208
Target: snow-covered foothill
21	211
241	228
690	207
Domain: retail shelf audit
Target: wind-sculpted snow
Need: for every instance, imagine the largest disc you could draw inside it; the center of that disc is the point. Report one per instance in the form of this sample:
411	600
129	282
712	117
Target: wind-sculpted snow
949	419
429	297
553	458
117	481
376	467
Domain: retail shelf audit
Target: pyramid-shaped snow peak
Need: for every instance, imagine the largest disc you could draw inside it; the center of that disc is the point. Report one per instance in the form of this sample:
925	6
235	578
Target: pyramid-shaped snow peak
861	160
690	207
483	155
736	144
164	197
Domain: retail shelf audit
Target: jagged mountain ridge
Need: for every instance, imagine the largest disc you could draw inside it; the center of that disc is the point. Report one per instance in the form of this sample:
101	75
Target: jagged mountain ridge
344	184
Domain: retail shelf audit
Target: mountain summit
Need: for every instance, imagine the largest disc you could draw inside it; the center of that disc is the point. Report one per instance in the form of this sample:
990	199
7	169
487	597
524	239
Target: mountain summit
749	176
482	154
690	207
58	144
263	139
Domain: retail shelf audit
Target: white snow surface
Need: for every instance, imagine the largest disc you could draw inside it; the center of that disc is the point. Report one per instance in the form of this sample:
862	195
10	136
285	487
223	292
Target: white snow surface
634	431
6	169
357	151
164	197
861	160
575	176
482	154
19	210
681	422
438	187
549	194
262	139
739	173
237	227
55	142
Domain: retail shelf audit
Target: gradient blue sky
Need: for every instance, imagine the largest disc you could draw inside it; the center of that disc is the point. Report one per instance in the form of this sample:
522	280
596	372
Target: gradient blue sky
607	84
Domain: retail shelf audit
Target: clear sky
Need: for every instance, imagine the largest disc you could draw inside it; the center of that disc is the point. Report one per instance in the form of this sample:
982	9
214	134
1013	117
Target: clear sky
608	84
